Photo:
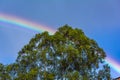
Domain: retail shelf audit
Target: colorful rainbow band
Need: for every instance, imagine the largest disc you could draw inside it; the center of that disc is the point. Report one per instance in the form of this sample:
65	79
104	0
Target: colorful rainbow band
24	23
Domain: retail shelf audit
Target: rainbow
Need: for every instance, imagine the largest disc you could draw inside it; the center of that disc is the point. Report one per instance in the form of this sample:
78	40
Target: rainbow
113	64
25	23
40	28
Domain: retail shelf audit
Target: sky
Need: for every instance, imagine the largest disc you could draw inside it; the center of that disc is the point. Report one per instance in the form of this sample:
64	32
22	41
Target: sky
99	19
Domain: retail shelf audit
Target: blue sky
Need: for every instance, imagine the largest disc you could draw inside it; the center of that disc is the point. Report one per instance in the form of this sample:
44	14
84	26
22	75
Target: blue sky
99	19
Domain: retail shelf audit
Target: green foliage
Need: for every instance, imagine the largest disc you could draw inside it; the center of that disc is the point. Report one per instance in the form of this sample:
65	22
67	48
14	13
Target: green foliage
68	54
3	73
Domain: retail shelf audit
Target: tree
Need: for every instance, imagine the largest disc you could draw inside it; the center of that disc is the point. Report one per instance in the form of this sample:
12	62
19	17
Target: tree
12	70
3	73
68	54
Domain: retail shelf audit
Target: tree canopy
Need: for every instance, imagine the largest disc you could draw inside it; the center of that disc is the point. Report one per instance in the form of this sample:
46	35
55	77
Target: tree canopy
68	54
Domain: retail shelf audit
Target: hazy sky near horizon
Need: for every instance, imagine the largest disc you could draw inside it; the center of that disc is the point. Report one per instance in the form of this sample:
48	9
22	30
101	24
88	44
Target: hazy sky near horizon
99	19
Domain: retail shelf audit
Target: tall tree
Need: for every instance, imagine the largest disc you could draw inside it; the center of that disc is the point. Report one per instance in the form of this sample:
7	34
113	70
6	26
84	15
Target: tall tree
68	54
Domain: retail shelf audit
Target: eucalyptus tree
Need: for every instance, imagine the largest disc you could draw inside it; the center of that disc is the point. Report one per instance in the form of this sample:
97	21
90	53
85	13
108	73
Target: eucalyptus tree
67	54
